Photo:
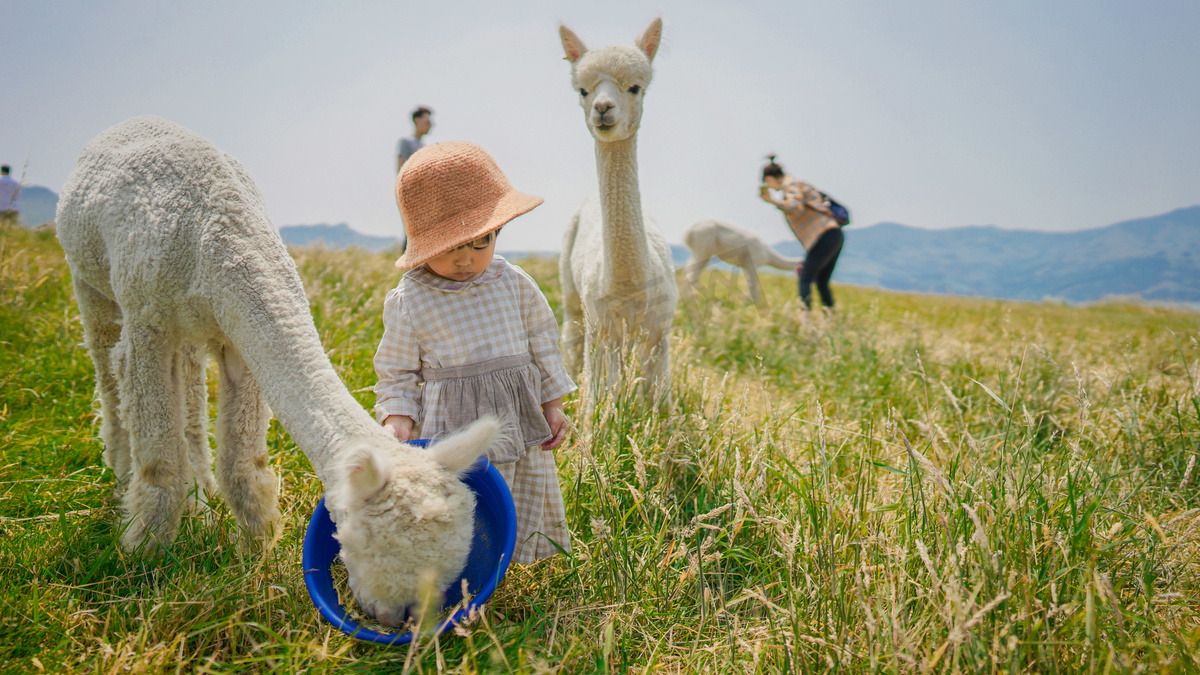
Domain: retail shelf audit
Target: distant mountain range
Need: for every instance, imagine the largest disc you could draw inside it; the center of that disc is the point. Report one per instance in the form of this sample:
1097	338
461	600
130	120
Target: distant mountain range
334	236
37	204
1155	258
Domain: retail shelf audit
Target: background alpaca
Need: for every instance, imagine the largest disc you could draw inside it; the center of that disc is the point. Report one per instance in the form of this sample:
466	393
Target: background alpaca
735	246
617	277
171	251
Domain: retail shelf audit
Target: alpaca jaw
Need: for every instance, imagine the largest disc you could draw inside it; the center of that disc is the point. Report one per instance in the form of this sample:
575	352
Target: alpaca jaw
612	112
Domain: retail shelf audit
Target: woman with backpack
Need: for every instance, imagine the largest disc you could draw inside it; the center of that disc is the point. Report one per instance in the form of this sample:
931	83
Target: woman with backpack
815	224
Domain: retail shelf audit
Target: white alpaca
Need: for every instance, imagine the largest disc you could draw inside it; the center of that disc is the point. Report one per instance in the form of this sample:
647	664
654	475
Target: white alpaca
617	277
171	252
732	244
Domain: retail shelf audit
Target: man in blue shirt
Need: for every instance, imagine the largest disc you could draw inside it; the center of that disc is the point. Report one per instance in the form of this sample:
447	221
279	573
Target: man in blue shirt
9	189
422	119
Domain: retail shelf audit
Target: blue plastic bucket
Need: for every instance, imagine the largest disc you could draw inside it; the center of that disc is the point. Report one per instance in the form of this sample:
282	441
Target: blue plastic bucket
491	551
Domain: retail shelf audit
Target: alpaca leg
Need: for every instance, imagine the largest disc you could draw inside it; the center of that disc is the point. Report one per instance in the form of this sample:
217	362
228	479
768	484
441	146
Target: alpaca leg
147	364
602	363
572	336
617	359
657	366
101	319
587	358
573	339
196	429
693	267
752	284
245	478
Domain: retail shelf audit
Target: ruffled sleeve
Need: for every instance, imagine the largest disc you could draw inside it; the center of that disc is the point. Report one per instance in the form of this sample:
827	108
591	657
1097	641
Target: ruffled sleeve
543	339
397	363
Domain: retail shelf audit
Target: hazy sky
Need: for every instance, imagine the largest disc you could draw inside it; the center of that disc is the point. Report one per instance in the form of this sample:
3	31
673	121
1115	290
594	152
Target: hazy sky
1026	114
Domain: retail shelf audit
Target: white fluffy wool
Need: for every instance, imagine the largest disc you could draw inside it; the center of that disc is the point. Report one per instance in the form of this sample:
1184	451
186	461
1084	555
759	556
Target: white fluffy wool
732	244
617	277
172	252
424	521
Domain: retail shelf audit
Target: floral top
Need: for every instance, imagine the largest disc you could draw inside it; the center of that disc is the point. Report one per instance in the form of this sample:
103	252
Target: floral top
806	211
436	323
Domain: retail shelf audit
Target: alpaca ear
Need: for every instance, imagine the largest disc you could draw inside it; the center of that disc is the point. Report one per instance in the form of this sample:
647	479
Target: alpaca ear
650	38
571	43
365	474
462	449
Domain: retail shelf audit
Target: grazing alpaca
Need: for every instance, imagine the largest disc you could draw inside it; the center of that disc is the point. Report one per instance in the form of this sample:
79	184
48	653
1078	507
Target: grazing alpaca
735	246
617	276
171	252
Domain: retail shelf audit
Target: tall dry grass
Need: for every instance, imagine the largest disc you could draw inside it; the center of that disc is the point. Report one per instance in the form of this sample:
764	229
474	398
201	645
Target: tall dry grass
917	483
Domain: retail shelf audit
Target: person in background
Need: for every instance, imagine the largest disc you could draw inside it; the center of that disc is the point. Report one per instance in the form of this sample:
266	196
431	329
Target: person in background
422	120
9	190
810	219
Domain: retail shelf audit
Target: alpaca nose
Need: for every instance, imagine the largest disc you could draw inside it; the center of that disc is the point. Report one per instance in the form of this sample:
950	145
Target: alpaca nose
603	105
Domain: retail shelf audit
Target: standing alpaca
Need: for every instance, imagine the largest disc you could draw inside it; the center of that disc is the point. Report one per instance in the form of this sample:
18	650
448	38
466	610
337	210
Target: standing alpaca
617	277
735	246
171	252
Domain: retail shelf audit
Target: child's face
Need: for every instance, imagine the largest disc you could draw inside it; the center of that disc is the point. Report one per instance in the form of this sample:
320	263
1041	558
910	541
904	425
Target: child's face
465	262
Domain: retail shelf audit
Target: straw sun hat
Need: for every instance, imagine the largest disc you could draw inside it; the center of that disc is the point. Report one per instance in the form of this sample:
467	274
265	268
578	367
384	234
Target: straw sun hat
450	194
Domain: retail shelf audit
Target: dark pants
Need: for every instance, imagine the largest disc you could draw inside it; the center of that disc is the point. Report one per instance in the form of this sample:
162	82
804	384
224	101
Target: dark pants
818	266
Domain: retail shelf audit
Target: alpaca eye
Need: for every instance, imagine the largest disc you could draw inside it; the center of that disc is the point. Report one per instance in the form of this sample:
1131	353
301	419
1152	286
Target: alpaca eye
634	89
583	92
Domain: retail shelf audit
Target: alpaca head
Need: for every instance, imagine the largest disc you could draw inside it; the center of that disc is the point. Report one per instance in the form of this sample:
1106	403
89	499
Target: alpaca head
405	520
611	82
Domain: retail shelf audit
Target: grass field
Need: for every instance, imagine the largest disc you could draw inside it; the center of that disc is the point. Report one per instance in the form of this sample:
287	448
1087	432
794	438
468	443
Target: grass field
919	483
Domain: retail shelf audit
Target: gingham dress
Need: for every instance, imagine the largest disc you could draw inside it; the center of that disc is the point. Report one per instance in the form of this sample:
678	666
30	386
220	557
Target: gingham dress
438	327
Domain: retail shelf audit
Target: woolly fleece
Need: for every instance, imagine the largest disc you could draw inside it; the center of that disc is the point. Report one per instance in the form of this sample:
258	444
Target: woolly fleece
172	252
732	244
617	276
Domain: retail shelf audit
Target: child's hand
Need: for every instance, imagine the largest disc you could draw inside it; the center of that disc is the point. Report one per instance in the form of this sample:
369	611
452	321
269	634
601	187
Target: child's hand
558	422
400	426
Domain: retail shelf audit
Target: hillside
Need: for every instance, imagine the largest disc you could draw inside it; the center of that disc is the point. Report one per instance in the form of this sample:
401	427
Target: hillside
38	205
917	483
1156	258
334	236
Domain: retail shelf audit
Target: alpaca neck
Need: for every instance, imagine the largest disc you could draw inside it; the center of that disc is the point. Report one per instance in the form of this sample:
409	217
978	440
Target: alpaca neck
271	326
318	412
621	210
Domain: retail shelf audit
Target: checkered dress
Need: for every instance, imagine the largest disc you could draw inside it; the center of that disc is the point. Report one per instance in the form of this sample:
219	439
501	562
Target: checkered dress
434	324
806	211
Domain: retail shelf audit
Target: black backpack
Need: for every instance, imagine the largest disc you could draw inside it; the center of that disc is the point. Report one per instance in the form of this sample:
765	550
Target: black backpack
840	213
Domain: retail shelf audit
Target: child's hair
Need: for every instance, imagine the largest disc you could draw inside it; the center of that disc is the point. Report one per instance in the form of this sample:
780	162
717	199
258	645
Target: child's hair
480	242
419	111
772	170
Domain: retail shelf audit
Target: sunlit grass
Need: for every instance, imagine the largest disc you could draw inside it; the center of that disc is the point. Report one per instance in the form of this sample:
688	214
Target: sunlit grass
915	483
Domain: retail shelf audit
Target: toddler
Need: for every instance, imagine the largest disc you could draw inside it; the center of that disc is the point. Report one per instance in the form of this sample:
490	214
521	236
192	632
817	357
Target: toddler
466	334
